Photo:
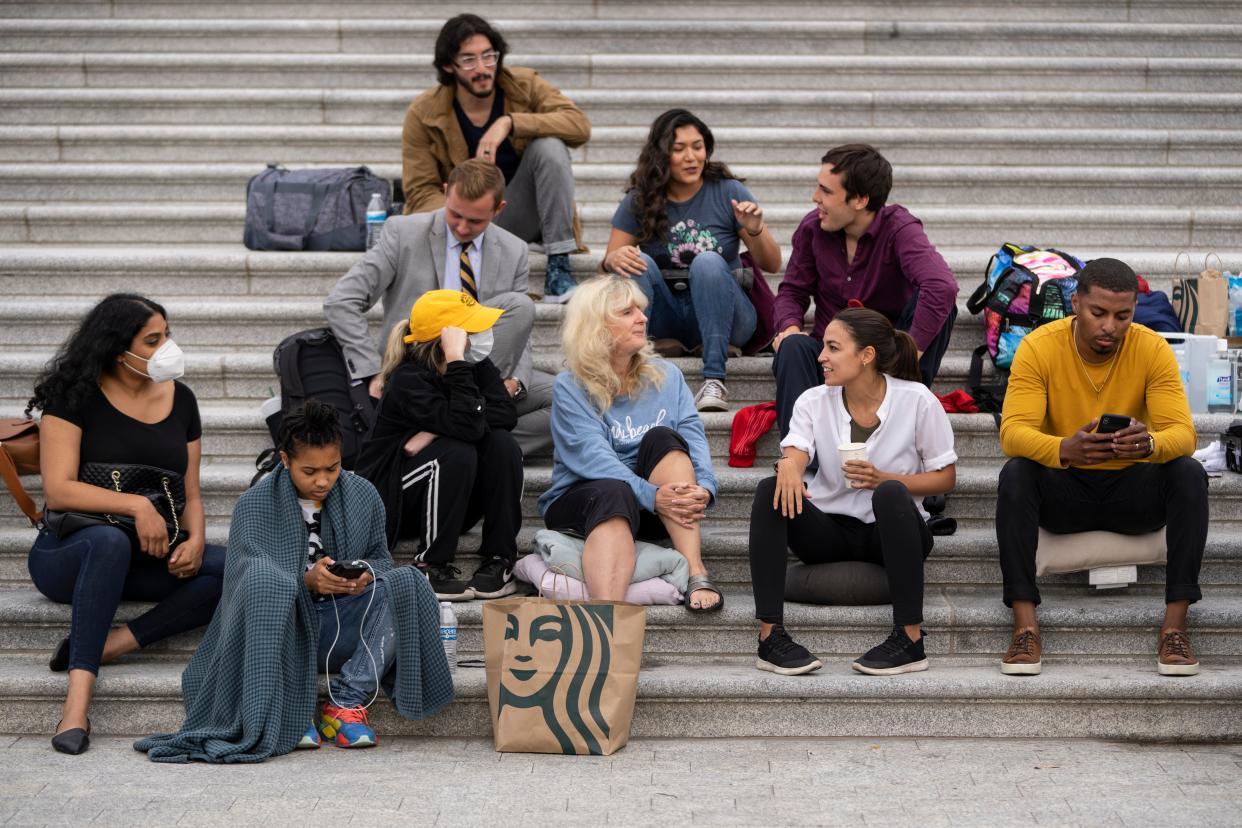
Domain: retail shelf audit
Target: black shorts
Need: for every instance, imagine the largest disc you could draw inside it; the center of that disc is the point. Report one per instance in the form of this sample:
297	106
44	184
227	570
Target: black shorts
588	503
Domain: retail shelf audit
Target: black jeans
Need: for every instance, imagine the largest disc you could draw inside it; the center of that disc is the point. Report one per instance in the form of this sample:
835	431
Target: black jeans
95	568
450	485
1132	501
899	540
588	503
796	365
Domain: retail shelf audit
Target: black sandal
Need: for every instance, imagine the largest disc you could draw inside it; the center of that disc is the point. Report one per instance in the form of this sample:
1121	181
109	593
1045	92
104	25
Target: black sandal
698	582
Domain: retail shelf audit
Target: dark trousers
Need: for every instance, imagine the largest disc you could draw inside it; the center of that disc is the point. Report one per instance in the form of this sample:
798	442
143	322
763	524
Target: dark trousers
588	503
899	541
796	365
95	568
1132	501
448	486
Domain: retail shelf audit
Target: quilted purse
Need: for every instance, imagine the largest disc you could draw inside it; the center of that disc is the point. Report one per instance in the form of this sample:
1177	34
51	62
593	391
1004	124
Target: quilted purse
165	489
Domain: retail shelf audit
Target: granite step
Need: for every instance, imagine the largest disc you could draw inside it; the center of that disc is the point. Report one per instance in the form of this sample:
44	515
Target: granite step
552	11
603	39
1210	65
959	621
972	503
257	101
1148	228
959	696
51	182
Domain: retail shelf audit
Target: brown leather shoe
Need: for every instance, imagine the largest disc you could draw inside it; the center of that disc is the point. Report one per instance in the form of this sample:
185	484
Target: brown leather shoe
1025	654
1176	656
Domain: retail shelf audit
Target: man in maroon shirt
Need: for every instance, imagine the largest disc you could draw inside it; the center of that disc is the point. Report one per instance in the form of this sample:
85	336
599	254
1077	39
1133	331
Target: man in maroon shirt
853	250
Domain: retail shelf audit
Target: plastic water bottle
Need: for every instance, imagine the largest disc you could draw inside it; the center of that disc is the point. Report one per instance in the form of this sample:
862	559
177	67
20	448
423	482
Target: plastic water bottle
376	213
448	634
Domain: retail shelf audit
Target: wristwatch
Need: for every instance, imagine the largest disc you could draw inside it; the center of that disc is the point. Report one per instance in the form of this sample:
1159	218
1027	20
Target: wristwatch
520	394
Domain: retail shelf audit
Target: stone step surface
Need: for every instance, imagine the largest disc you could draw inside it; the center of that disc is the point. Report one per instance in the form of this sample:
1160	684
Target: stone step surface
1172	228
604	39
918	188
1074	698
962	621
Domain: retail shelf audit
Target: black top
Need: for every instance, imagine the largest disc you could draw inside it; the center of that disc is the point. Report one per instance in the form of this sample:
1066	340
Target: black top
108	436
506	156
466	403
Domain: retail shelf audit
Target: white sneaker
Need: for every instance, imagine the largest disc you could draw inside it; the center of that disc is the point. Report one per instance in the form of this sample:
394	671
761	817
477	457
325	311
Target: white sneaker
712	396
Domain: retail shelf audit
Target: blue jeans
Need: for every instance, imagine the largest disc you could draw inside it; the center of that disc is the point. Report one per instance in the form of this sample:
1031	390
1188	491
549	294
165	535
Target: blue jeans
95	568
715	312
357	680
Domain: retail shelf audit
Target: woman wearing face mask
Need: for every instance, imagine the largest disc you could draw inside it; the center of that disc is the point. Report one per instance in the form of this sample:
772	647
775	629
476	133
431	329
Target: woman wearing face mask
679	232
440	452
110	397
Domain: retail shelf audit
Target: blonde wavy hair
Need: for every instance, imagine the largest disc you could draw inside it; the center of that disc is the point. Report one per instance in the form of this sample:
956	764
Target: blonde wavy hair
588	344
396	351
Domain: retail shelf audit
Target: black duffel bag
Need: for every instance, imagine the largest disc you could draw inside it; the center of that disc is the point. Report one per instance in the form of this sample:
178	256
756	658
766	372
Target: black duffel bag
165	489
311	209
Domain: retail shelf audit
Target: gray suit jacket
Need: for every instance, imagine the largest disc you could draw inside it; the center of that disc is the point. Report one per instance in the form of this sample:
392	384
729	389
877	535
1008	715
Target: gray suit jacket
408	261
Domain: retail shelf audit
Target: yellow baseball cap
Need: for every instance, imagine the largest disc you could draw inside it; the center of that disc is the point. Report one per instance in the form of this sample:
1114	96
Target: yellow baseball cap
436	310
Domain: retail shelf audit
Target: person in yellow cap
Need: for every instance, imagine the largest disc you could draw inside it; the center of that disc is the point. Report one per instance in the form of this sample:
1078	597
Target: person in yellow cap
444	417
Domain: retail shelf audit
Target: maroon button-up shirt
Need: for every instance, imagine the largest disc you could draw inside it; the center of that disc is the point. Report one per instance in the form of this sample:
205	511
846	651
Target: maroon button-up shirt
894	258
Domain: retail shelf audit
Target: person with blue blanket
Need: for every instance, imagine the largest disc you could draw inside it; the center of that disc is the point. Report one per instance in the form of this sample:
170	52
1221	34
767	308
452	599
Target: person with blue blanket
251	687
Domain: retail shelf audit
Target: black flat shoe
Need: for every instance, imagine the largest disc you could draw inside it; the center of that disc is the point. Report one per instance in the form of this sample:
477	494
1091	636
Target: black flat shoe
73	741
59	662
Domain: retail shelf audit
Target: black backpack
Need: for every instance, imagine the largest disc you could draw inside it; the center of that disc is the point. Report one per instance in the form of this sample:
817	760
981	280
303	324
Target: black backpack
311	365
311	209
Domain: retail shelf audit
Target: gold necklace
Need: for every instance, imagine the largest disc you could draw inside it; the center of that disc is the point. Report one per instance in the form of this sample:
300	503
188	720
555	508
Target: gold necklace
1112	362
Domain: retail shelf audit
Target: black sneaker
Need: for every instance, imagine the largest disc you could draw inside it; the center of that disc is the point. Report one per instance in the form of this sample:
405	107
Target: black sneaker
493	579
446	581
780	654
897	654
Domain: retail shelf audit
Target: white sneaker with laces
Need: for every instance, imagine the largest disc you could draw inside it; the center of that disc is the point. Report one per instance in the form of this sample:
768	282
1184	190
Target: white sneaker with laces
712	396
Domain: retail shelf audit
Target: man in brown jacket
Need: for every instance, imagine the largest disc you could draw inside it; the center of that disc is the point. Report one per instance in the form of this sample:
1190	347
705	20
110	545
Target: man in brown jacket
510	117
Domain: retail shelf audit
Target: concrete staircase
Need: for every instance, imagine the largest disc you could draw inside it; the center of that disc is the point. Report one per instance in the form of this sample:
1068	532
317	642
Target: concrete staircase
1108	128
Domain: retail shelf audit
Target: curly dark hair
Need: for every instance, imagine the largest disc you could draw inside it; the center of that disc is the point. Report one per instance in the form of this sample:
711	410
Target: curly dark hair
457	30
1108	274
92	349
649	181
310	424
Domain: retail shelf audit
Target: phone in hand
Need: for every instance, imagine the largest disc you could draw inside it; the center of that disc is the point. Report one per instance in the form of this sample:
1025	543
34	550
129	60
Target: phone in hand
1112	422
349	570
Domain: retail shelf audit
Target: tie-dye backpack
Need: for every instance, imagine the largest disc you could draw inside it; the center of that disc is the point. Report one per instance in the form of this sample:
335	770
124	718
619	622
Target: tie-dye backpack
1023	288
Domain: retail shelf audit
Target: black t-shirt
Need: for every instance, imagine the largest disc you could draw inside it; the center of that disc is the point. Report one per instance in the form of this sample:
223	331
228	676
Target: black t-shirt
108	436
506	156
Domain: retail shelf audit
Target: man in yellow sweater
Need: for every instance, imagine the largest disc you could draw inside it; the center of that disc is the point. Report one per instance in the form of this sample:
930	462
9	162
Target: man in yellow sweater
1067	476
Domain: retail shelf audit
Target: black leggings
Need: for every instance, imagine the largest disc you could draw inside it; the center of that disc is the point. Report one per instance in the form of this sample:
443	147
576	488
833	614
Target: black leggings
1132	501
899	540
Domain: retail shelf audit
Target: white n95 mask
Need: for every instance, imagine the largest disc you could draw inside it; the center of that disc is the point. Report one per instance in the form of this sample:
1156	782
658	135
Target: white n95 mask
167	363
480	346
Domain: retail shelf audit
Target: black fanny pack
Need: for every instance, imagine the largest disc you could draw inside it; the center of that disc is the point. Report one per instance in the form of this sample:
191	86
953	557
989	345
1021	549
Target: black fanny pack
165	489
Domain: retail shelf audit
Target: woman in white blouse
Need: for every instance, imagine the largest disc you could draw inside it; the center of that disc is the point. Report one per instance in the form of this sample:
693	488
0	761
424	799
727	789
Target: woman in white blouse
857	510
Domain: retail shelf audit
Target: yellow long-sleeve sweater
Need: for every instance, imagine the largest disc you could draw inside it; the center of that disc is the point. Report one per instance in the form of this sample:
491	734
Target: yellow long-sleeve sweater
1049	397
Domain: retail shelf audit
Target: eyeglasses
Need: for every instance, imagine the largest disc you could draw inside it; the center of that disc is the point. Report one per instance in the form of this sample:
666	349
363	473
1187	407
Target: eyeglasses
488	59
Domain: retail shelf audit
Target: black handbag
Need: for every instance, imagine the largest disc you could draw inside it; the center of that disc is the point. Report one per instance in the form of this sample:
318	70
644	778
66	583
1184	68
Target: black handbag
165	489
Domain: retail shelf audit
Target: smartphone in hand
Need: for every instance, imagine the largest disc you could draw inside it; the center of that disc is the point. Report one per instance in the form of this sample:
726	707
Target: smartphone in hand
349	570
1112	422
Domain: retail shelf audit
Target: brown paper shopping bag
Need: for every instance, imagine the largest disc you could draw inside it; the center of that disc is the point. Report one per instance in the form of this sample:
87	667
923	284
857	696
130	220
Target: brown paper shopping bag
1201	303
562	675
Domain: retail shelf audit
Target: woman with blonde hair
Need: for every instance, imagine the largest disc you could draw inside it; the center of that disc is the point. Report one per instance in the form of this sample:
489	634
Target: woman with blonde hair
444	417
631	456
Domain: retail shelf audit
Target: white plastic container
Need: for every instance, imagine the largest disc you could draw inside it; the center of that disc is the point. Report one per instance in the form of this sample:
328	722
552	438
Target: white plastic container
448	634
1193	353
1219	381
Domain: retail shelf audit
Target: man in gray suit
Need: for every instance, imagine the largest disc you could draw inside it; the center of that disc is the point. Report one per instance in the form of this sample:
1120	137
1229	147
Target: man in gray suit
445	249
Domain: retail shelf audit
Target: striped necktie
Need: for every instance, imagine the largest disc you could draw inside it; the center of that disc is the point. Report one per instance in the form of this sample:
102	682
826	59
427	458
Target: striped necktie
467	275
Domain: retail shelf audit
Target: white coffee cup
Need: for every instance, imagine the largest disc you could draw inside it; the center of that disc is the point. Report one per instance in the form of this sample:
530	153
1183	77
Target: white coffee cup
852	451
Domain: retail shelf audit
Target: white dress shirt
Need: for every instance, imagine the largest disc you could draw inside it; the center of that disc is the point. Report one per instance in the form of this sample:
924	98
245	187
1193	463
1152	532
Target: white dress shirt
452	260
914	436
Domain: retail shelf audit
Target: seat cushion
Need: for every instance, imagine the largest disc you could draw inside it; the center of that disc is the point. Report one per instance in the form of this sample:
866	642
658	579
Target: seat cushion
1058	554
843	583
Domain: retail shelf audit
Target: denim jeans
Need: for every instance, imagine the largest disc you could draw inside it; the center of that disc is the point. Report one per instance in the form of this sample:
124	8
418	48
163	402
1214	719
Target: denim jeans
357	679
95	568
715	312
